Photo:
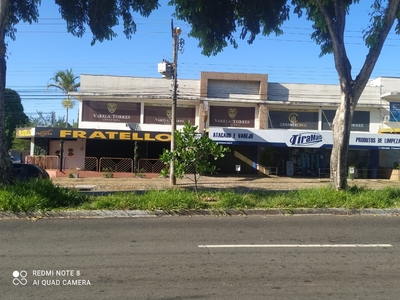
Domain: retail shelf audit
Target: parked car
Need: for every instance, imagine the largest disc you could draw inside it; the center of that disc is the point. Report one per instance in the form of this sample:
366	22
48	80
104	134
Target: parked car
29	171
15	159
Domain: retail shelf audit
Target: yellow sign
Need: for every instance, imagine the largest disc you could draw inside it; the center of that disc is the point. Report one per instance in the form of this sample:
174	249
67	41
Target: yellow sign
24	132
115	135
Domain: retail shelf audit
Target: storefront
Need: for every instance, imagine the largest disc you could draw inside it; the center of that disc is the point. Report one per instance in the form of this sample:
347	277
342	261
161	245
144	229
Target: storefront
80	143
306	153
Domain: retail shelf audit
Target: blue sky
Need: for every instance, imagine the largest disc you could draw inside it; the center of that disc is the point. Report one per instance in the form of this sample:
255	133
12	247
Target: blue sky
45	47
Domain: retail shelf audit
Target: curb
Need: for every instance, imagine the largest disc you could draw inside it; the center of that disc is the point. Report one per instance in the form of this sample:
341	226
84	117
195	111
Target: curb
93	214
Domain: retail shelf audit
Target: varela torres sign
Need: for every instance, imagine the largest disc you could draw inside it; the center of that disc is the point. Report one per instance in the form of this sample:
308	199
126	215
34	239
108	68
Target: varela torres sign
91	134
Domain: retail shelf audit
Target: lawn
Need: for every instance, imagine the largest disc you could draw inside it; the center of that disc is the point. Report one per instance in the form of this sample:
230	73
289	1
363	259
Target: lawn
42	195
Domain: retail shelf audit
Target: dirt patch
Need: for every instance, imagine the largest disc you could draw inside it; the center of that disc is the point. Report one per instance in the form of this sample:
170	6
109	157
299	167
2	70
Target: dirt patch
244	183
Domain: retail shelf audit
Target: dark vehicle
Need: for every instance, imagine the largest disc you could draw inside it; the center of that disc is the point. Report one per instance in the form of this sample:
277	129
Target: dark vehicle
29	171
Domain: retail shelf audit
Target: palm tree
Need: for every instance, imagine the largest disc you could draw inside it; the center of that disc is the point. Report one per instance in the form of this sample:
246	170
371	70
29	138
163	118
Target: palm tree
65	81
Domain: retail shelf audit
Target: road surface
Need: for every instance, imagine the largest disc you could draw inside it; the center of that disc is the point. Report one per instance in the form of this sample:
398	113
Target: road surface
273	257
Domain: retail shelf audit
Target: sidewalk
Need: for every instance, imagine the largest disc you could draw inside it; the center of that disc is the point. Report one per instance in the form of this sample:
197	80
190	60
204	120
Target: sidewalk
215	182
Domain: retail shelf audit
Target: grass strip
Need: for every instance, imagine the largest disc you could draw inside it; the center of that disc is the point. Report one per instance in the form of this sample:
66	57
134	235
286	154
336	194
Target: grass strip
42	195
351	198
38	195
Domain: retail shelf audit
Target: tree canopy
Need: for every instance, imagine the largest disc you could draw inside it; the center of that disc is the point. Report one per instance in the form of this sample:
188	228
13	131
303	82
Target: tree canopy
101	16
14	114
193	154
65	82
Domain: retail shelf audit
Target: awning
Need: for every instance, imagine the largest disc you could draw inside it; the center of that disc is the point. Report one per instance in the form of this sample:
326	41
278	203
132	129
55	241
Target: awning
390	130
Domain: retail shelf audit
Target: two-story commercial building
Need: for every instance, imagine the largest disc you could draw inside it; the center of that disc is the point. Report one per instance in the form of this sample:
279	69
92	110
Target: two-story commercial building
285	127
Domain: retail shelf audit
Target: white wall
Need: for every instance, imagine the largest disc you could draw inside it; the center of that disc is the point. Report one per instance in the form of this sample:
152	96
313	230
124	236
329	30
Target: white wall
233	89
386	84
325	93
79	151
138	85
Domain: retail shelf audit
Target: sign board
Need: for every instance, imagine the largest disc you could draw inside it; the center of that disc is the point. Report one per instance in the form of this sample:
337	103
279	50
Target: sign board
156	114
293	120
232	116
111	111
361	120
300	138
93	134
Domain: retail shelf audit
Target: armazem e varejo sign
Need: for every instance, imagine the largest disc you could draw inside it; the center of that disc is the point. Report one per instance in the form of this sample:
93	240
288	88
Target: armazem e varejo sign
301	139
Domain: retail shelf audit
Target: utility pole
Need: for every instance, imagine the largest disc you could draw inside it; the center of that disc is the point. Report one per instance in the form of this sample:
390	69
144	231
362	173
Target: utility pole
170	70
175	37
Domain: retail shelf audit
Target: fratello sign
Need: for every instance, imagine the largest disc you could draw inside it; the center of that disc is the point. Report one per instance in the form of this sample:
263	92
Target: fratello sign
92	134
301	139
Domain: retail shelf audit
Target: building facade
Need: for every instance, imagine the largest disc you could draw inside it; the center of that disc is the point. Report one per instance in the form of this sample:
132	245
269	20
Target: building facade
268	126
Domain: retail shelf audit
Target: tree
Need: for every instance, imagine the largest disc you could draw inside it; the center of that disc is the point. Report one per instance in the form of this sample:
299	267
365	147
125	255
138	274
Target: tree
14	115
65	81
42	119
192	150
214	22
100	16
10	14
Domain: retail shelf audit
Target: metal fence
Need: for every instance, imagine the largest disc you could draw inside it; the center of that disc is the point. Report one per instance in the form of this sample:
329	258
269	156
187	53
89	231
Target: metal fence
150	165
113	164
155	166
44	161
83	163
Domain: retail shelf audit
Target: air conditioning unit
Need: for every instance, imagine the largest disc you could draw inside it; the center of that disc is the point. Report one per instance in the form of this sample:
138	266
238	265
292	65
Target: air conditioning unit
386	118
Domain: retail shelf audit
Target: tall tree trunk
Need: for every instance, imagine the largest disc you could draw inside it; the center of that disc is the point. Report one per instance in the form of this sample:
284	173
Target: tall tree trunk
5	160
66	119
341	138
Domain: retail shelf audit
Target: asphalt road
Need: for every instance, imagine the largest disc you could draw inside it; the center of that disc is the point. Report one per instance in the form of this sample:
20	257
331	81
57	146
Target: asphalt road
274	257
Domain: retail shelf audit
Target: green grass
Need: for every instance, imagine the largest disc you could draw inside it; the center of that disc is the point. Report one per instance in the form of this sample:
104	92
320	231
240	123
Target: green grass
351	198
38	195
150	200
41	195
